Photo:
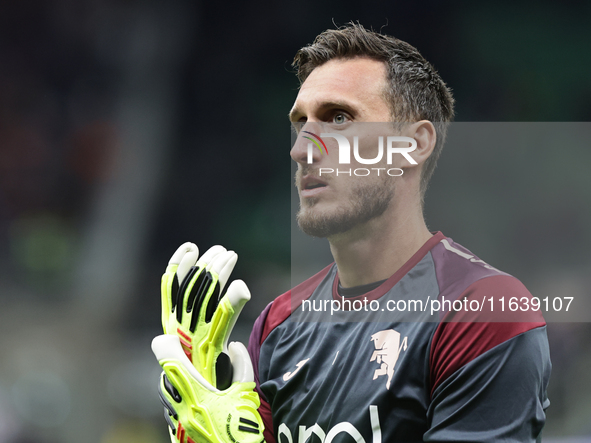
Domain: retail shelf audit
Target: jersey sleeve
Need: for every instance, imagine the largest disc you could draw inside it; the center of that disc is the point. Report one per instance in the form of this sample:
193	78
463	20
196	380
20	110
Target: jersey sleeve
489	378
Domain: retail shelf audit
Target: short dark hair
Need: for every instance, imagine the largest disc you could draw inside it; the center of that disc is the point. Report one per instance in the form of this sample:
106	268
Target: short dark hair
415	92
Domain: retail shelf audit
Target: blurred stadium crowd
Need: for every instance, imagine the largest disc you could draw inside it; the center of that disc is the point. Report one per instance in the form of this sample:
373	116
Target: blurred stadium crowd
128	127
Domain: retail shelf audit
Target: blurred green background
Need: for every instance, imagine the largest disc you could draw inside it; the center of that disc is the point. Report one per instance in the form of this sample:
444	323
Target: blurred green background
128	127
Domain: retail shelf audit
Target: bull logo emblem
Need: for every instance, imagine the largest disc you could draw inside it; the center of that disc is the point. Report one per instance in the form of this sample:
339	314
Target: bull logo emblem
388	348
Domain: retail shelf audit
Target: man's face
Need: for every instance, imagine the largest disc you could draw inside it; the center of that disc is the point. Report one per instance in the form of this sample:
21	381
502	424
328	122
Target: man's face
335	97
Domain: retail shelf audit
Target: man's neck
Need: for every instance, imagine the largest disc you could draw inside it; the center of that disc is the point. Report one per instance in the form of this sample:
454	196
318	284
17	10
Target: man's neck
377	249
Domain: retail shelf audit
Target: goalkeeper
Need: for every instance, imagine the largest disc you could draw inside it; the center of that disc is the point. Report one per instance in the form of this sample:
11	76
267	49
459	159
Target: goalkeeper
381	379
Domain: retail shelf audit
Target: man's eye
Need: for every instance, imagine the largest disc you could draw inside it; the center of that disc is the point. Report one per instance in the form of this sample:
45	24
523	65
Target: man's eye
339	118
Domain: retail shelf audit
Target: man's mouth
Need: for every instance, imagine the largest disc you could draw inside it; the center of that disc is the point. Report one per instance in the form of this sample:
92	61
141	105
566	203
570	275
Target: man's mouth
311	185
314	185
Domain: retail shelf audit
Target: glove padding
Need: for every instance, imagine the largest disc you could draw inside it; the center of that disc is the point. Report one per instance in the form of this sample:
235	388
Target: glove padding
193	308
195	410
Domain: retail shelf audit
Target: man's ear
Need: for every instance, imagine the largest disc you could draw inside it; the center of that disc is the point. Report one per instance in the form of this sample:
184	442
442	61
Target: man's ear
424	133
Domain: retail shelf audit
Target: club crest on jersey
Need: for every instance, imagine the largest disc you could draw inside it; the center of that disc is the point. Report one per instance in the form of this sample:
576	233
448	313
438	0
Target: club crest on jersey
388	348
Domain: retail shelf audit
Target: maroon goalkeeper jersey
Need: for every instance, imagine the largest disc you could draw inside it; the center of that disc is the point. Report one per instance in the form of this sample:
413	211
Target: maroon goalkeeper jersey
402	362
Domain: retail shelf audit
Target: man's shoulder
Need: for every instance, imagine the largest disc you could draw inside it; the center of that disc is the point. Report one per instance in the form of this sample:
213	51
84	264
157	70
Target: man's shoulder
497	295
457	270
484	312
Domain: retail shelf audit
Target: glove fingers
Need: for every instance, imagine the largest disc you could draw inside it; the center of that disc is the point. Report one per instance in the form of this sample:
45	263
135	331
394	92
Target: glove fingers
205	290
237	295
211	254
168	347
184	257
241	363
189	269
184	254
223	265
187	261
208	354
181	251
193	292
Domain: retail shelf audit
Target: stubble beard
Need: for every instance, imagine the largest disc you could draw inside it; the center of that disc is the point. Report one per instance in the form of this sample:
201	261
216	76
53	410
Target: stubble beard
365	203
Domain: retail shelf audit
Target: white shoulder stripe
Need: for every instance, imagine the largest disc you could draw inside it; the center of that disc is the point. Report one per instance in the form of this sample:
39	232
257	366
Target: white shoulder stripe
464	255
457	251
